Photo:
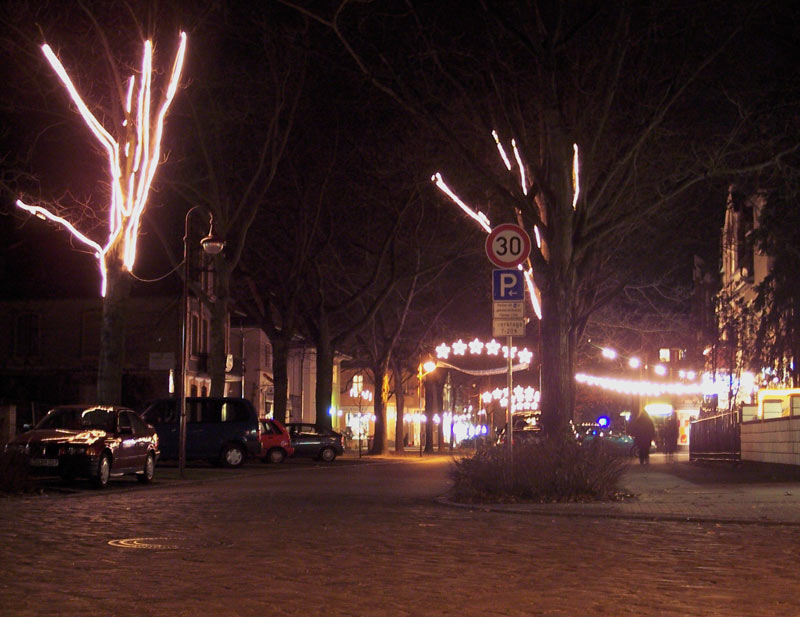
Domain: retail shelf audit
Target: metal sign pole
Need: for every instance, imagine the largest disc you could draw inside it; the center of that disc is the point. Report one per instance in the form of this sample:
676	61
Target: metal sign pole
509	412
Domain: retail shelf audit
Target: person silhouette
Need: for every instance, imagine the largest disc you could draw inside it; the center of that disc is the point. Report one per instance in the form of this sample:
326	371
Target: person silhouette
643	430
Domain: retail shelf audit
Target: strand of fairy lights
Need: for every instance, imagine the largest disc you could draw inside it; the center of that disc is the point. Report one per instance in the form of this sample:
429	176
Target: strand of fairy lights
642	388
484	221
128	194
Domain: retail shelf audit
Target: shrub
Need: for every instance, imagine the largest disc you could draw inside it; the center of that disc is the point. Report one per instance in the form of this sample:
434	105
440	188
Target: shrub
14	472
555	470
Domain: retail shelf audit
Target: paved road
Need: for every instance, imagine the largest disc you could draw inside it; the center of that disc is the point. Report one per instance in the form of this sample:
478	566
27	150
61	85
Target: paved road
369	539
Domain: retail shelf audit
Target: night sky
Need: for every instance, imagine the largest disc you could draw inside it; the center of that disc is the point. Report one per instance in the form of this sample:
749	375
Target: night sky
49	151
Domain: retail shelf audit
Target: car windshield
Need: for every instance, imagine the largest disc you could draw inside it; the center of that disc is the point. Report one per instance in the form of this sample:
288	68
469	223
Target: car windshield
78	419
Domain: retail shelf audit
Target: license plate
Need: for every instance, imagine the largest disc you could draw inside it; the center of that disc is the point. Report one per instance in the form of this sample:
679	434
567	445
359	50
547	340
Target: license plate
44	462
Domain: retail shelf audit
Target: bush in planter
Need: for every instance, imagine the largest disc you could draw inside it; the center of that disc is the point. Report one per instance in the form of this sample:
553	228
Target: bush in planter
555	470
14	472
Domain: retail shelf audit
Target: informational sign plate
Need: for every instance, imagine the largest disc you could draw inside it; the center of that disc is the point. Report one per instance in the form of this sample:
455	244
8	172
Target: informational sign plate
508	310
508	327
161	361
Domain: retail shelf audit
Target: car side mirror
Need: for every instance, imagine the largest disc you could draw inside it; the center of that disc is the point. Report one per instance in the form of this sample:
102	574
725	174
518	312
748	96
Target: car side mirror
26	427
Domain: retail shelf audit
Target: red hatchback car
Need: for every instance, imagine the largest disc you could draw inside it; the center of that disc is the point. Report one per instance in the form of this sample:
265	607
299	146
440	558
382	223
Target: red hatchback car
275	442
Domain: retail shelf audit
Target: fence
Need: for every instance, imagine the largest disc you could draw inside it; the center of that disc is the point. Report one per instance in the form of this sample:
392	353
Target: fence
716	438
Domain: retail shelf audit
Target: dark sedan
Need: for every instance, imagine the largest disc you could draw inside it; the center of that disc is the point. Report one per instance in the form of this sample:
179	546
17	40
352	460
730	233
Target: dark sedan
315	441
90	441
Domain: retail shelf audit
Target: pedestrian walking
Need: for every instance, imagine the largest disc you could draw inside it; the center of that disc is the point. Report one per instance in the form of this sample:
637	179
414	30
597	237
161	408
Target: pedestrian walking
671	435
643	430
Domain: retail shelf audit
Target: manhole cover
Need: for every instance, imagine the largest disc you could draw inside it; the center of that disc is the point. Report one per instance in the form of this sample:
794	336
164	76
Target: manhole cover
153	544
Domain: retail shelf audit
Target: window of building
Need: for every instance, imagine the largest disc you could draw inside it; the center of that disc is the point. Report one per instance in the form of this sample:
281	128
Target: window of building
773	408
195	334
91	322
26	335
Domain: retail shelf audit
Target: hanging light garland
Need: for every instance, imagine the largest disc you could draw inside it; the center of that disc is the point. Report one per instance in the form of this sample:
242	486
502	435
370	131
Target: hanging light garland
476	347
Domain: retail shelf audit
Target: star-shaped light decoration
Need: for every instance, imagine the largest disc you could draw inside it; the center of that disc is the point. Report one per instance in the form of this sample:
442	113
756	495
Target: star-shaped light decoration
459	348
493	348
443	351
525	356
513	351
476	347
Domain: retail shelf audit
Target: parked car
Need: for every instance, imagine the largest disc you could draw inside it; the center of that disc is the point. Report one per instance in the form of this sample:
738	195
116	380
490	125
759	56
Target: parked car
221	430
315	441
619	442
275	441
90	441
523	436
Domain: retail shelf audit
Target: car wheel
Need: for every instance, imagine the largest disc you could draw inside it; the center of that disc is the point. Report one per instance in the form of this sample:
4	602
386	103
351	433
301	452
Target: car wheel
276	455
327	454
100	479
149	470
232	455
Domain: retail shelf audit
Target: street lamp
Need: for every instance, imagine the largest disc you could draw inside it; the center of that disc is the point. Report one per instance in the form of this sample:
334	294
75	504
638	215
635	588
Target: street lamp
212	245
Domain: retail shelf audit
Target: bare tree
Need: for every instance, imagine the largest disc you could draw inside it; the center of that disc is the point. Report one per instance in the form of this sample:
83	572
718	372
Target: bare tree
595	108
240	111
128	125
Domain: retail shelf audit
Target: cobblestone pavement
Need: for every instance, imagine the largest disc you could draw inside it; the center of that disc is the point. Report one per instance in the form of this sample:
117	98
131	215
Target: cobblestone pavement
371	539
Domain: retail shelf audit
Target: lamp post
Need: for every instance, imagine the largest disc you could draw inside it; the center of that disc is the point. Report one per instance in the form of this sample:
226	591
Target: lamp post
212	245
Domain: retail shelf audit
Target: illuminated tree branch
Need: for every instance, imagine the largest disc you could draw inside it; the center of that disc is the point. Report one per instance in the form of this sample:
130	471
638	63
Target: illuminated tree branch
133	159
484	221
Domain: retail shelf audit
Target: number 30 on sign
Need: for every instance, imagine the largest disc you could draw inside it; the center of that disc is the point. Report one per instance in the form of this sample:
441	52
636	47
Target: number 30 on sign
508	246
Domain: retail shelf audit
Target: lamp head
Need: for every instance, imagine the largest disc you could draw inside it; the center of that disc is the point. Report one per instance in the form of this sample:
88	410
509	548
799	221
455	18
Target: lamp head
212	244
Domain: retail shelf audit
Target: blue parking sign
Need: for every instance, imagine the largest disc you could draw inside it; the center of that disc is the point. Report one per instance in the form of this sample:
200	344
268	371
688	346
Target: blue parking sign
508	285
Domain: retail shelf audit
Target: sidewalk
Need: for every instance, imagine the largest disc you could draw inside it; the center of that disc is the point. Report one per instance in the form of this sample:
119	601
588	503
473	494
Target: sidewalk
695	492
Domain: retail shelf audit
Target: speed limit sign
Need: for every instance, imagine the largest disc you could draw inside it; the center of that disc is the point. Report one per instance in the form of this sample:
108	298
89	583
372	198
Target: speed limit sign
508	246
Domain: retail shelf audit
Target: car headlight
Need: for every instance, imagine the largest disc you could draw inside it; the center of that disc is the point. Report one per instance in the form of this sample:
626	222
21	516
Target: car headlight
71	450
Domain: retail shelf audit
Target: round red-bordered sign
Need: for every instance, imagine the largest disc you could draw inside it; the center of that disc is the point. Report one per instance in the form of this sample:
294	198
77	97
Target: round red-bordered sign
508	245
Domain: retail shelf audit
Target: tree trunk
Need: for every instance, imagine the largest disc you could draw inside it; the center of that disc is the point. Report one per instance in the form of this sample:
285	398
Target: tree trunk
112	335
433	406
280	377
400	399
324	388
380	441
558	388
